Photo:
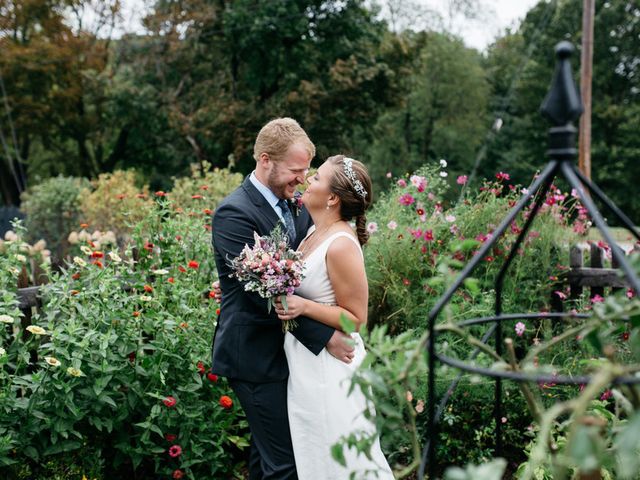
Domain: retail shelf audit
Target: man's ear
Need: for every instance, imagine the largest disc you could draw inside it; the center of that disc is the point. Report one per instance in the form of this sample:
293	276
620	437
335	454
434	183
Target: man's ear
263	159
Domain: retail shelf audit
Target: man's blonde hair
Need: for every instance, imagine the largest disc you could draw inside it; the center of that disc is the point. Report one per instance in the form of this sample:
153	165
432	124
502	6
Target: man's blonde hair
278	135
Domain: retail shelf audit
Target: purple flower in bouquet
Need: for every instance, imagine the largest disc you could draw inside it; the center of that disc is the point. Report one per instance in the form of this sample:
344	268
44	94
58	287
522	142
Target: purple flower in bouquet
271	269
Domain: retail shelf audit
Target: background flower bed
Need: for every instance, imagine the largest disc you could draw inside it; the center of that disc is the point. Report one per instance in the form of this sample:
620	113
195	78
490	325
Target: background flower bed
114	379
121	384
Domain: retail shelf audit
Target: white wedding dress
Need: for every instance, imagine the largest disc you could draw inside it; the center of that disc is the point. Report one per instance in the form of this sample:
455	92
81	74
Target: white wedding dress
321	410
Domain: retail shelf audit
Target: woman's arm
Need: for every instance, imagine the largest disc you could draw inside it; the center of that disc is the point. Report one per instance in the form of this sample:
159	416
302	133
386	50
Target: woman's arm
349	281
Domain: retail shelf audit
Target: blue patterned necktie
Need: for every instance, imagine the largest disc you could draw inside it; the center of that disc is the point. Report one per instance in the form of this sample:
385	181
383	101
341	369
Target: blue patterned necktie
288	220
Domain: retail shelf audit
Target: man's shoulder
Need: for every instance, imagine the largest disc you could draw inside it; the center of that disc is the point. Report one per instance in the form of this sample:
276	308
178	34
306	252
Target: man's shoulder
236	199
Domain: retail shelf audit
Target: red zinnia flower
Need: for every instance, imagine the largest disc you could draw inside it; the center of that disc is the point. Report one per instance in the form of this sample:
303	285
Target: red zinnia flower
178	237
193	264
84	225
170	402
75	276
120	196
141	195
212	376
196	197
207	211
148	246
226	402
148	288
217	311
182	269
170	437
170	280
406	281
184	325
212	294
175	451
160	193
204	187
136	314
97	254
201	368
178	474
98	264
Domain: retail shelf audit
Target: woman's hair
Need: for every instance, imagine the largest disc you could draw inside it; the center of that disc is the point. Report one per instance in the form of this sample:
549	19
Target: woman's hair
278	135
352	184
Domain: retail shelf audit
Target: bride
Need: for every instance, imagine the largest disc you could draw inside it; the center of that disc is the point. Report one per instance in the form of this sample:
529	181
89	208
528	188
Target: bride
321	410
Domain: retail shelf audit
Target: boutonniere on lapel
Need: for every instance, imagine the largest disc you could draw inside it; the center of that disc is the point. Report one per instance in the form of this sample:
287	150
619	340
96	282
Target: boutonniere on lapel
296	203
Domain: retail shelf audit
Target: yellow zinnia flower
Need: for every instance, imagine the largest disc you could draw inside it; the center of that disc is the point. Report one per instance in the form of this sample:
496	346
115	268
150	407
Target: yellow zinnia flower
74	372
54	362
36	330
6	319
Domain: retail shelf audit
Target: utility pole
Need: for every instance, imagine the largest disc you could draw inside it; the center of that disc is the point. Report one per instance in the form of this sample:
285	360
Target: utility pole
586	70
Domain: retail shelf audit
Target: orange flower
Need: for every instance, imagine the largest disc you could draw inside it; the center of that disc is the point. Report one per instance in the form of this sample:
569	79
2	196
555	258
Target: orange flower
160	193
170	280
217	311
207	211
182	269
226	402
148	288
196	197
97	254
74	292
136	314
141	195
98	264
184	325
120	196
204	187
76	276
84	225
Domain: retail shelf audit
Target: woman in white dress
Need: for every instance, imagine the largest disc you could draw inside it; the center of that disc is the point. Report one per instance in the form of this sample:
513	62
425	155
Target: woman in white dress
321	409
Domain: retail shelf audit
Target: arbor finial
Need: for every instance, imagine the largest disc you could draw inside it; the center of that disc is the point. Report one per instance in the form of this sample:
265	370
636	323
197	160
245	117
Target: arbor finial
563	103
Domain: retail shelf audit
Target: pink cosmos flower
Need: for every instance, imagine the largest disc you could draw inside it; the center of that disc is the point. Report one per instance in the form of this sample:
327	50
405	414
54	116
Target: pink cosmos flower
520	328
406	199
462	180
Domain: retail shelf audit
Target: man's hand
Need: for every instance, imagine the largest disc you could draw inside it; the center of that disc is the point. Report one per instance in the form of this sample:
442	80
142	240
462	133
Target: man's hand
339	348
217	291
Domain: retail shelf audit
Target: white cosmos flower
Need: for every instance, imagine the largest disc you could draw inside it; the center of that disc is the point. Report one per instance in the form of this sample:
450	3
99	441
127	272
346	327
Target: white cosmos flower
443	174
443	163
6	319
145	298
160	271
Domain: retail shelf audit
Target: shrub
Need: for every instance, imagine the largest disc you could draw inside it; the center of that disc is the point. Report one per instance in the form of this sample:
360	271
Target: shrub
205	188
115	201
53	208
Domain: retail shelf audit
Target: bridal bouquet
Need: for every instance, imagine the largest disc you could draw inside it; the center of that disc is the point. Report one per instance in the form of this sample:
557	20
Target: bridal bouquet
271	269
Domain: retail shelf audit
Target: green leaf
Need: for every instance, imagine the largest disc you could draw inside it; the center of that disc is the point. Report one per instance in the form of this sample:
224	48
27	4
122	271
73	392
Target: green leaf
347	324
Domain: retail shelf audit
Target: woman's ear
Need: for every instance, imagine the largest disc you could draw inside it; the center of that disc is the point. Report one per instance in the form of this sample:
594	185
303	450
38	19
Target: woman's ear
333	200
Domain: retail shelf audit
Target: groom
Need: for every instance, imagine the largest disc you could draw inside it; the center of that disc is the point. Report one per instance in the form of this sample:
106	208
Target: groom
248	341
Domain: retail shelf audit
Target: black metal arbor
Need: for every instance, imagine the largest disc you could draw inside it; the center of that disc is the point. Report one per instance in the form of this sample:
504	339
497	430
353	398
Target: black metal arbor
562	106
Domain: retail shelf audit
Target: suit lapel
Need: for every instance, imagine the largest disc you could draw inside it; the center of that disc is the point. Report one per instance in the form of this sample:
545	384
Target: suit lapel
261	204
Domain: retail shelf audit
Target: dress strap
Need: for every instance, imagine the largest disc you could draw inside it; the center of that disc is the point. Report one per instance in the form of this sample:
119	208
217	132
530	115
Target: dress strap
327	243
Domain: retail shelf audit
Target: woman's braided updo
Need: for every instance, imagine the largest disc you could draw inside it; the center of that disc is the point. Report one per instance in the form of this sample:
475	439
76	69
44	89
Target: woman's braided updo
353	204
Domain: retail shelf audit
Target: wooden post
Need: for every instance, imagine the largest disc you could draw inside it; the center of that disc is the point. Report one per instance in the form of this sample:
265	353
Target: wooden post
584	157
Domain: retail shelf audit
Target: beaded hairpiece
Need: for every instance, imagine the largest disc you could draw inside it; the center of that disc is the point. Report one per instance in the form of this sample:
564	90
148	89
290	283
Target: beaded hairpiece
347	163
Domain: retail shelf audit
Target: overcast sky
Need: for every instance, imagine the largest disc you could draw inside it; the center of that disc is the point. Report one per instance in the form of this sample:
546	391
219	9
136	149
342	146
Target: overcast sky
499	15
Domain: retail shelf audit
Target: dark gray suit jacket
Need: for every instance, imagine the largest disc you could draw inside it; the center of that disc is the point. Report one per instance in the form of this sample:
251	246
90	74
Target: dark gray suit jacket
248	341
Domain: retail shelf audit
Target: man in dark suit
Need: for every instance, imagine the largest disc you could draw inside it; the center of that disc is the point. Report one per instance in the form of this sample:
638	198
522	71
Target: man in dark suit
248	341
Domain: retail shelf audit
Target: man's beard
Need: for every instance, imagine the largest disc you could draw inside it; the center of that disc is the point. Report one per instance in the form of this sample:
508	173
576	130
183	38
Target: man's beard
279	189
